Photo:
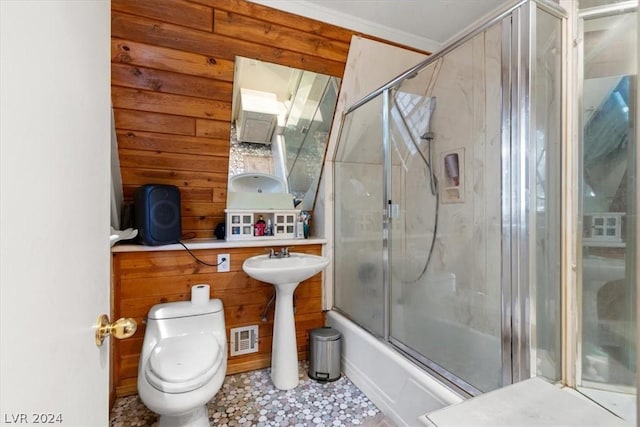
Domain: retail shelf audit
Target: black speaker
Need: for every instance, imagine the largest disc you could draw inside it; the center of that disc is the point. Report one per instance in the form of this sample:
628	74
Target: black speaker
157	212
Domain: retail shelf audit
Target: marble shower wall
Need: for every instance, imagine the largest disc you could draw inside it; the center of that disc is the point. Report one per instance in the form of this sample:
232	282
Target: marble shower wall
462	283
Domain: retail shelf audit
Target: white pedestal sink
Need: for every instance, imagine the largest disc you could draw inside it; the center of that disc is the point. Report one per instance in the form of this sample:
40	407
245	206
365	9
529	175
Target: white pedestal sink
285	274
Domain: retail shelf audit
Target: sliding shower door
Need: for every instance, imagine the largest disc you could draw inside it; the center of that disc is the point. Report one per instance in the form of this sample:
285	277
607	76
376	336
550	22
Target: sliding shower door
445	241
359	244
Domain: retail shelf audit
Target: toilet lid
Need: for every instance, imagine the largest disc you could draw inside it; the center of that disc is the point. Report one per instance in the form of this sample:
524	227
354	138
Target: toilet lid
183	363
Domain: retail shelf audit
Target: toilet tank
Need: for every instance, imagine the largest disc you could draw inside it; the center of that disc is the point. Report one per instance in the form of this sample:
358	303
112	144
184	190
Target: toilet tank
178	309
183	317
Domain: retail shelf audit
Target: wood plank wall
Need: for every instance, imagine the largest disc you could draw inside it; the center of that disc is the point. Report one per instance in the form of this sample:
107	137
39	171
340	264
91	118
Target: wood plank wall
172	78
143	279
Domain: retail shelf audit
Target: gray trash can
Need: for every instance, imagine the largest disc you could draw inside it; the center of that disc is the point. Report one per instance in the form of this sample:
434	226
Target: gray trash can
324	354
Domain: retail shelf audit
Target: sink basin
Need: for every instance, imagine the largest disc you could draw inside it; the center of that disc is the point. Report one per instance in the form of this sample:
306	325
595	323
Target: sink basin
293	269
256	183
284	274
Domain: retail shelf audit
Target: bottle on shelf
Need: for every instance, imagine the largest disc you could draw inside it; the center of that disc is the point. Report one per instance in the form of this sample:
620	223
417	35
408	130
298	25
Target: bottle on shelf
259	227
299	228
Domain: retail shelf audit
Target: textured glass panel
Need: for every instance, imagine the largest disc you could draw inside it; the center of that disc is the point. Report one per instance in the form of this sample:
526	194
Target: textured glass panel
359	183
546	140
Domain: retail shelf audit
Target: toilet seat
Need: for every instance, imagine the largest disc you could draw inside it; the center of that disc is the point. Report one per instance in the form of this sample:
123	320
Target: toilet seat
183	363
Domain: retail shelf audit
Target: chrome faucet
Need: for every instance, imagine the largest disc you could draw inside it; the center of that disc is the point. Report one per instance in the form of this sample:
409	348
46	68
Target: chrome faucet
283	253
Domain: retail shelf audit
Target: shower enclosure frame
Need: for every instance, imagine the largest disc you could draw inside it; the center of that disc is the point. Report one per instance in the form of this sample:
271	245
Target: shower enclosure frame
517	119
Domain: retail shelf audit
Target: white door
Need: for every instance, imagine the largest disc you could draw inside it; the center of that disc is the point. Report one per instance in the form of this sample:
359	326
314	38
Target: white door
54	211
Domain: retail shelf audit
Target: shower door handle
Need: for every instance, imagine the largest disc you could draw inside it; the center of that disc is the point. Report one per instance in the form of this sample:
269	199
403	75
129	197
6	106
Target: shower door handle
393	210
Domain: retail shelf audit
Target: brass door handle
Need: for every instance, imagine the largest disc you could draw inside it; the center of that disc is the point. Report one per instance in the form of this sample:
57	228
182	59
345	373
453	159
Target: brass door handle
122	328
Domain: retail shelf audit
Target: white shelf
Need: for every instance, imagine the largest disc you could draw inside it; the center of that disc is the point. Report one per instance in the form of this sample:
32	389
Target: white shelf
218	244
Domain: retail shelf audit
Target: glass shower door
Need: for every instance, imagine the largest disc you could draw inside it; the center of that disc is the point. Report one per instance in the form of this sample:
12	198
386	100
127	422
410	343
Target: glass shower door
445	241
359	210
474	248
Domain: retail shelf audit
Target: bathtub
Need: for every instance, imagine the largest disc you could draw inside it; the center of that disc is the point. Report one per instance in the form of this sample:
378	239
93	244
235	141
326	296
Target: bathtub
401	390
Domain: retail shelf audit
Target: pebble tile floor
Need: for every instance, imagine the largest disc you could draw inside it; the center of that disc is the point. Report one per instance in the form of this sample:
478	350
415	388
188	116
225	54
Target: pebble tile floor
250	399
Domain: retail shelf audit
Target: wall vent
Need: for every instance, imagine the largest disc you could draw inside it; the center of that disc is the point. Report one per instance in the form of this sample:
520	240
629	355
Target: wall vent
244	340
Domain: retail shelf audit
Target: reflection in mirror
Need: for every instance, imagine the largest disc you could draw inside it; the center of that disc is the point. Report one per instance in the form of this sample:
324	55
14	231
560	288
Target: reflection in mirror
609	217
606	139
280	124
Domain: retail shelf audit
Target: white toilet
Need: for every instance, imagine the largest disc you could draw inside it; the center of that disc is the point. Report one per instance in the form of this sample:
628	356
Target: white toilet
183	361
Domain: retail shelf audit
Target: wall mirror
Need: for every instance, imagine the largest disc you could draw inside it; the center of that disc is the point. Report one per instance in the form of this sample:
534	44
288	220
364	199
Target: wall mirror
608	180
281	117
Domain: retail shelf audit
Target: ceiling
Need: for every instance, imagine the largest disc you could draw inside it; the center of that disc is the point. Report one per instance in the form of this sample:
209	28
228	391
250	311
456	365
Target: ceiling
423	24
